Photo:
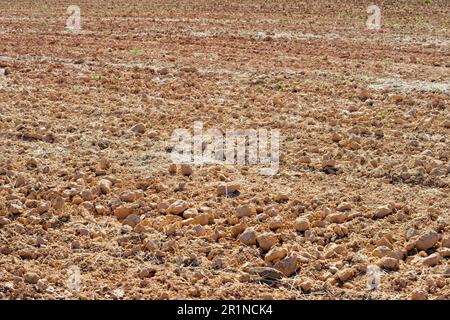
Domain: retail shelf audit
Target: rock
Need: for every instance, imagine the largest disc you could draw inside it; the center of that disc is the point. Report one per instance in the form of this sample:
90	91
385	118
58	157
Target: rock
75	245
31	277
87	195
338	217
185	170
382	211
132	220
383	251
267	273
446	241
42	285
123	211
4	221
419	295
105	185
20	181
245	211
328	163
288	266
227	188
427	240
138	128
281	197
100	209
389	263
201	219
237	229
301	224
173	168
344	206
127	196
275	223
146	273
248	237
178	207
346	274
276	253
266	241
432	260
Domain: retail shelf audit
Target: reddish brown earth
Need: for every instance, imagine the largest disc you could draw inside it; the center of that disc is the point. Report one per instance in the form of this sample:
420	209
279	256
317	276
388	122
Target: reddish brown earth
376	103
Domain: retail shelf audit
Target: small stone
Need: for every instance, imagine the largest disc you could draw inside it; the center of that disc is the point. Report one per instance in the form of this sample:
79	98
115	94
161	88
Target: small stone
301	224
245	211
42	285
382	211
186	170
281	197
418	295
227	188
248	237
146	273
178	207
432	260
127	196
276	253
345	275
389	263
202	219
123	211
173	168
288	266
338	217
445	241
31	277
267	273
427	240
100	209
138	128
75	245
4	221
275	223
237	229
132	220
87	195
105	186
344	206
266	241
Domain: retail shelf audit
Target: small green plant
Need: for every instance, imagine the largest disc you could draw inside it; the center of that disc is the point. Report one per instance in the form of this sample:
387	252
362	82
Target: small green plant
96	77
388	63
279	87
383	114
428	1
136	52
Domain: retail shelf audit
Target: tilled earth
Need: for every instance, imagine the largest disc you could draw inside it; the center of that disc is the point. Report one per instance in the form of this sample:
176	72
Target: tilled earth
86	185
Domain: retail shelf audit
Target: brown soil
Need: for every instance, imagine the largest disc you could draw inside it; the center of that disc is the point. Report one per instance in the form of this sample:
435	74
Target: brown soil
71	167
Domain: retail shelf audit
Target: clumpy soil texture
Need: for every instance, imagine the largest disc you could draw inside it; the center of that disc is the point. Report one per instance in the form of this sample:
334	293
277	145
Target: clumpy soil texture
91	207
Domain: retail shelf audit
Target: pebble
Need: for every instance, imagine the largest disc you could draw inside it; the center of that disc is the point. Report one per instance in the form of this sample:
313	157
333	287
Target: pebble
346	274
382	211
31	277
123	211
418	295
4	221
266	241
202	219
227	188
389	263
132	220
178	207
75	245
245	211
105	186
248	237
186	170
275	223
281	197
344	206
138	128
301	224
427	240
127	196
276	253
87	195
432	260
173	168
445	241
288	266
